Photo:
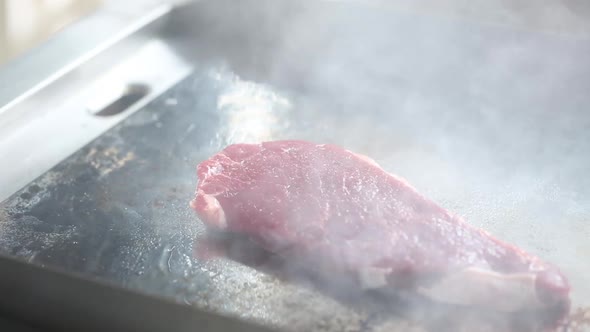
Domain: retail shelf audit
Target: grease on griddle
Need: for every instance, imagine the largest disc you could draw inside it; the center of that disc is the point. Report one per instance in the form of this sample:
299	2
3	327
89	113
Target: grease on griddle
213	245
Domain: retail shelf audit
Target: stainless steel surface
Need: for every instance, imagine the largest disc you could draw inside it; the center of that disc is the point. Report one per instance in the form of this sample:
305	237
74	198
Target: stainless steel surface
53	115
49	300
73	46
488	121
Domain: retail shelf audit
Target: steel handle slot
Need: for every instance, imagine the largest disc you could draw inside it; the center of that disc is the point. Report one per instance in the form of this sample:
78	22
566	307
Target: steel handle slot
112	101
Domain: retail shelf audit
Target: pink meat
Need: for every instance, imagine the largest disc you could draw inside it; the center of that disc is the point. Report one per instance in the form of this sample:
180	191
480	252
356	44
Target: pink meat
343	213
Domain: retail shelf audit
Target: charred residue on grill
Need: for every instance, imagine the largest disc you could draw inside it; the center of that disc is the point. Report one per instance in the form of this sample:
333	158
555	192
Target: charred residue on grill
109	159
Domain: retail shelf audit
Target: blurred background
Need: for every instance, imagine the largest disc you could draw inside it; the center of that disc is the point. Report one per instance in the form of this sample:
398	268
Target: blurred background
25	23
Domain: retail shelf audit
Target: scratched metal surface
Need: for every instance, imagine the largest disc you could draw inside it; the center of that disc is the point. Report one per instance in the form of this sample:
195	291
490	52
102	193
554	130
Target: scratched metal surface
491	123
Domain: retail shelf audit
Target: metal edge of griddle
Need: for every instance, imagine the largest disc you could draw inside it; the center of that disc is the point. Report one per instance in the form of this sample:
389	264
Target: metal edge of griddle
29	121
41	298
72	46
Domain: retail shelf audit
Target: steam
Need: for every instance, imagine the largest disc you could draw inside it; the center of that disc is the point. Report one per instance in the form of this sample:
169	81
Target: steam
250	112
344	214
487	121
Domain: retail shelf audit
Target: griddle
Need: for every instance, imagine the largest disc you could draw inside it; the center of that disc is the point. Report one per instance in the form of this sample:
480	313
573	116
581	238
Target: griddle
490	122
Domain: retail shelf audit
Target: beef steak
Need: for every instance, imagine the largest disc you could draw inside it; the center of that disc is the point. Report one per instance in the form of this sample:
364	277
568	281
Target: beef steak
345	214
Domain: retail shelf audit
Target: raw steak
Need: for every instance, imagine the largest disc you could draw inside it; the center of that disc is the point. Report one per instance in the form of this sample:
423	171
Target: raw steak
344	214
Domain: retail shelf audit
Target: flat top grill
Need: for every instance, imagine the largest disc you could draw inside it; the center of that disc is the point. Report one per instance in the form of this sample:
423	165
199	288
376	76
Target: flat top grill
495	129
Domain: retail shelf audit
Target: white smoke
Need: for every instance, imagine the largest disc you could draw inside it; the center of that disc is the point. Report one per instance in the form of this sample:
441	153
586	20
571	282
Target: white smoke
481	118
250	112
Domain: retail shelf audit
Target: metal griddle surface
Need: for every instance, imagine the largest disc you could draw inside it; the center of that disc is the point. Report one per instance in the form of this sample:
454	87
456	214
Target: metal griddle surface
496	129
